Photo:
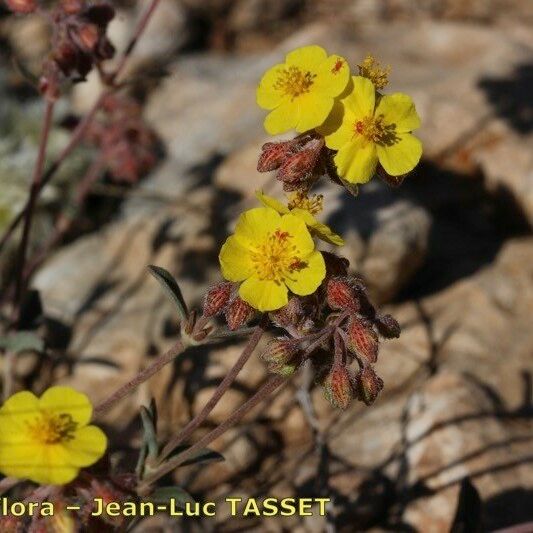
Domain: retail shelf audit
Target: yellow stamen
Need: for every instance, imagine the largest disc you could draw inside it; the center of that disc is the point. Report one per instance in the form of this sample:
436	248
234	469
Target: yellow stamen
371	68
375	130
313	204
293	82
276	257
52	428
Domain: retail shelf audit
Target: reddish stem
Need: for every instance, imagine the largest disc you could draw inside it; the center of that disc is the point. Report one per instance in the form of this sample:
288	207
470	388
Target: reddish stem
272	383
224	385
143	376
32	202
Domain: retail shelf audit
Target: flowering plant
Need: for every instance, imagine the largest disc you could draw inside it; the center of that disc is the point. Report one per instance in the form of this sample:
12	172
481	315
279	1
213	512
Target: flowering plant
274	274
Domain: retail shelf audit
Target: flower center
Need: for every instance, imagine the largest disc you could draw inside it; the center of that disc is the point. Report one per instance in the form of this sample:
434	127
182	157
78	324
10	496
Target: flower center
276	257
374	129
52	428
313	204
293	82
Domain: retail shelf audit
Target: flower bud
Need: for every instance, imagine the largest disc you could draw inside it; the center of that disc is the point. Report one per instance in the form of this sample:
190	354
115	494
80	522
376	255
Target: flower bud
388	326
362	339
273	155
238	313
217	298
341	295
298	167
335	265
22	6
280	351
290	315
368	385
338	388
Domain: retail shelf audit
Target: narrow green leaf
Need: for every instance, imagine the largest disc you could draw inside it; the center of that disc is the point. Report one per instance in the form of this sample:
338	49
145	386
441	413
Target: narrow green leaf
171	287
22	341
150	434
163	495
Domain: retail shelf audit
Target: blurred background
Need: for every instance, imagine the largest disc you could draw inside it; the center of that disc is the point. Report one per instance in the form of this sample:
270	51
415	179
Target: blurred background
448	445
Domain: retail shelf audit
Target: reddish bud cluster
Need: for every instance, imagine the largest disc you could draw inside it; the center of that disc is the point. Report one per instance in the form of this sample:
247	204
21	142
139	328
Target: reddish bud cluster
79	42
126	143
338	387
362	340
298	162
223	298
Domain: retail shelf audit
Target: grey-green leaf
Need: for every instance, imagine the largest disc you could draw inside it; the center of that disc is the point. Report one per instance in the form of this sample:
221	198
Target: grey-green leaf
171	287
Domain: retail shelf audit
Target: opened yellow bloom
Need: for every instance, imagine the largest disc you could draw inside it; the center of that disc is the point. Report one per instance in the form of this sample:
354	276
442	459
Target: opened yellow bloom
364	133
305	208
270	254
301	91
48	439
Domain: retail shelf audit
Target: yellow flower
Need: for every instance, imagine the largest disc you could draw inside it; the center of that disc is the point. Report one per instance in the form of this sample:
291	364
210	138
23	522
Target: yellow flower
303	207
271	253
364	133
47	439
301	91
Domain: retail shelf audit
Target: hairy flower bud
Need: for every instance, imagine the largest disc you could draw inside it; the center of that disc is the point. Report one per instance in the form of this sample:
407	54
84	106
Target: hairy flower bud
273	155
22	6
298	167
338	388
388	326
238	313
216	298
280	351
368	385
362	339
290	315
341	295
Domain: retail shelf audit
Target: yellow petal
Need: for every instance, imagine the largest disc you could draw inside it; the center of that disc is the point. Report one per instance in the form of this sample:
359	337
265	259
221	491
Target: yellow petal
18	409
269	201
362	99
235	261
338	129
332	76
264	295
322	231
402	156
301	238
356	161
284	118
87	447
314	110
399	109
307	280
307	57
255	224
60	400
268	97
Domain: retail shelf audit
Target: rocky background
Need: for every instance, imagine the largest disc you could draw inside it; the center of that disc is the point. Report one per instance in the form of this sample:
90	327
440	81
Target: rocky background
448	445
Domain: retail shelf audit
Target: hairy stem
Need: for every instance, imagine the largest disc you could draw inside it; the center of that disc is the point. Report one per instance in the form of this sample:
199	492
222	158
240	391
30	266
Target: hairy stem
224	385
272	383
141	377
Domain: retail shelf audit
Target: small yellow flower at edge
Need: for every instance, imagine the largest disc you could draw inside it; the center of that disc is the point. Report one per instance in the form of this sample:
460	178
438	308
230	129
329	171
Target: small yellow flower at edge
304	208
270	254
300	92
47	440
364	133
